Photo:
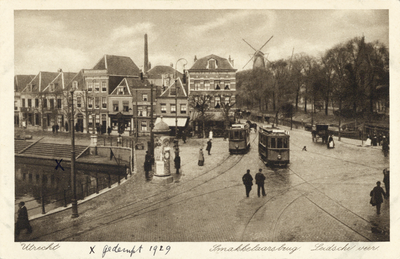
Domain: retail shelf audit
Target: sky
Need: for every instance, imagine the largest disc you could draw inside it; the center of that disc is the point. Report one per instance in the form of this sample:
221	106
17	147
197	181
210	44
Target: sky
47	40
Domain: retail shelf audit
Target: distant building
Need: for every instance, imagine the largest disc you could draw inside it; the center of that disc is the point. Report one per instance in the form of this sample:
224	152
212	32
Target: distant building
20	82
172	105
214	76
101	81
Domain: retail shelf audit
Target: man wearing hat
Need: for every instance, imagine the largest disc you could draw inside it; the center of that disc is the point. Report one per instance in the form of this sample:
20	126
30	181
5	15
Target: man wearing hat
22	220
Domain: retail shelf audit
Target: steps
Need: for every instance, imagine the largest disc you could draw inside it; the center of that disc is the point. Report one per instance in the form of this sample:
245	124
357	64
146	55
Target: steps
20	144
53	150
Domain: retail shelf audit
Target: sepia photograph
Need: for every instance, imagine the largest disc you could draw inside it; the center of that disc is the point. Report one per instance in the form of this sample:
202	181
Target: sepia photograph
241	132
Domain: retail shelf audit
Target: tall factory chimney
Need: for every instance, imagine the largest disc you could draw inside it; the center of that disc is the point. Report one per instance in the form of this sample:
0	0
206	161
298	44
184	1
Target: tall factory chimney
146	55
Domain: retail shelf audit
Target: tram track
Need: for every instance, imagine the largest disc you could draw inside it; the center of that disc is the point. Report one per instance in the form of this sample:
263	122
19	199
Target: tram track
127	208
314	203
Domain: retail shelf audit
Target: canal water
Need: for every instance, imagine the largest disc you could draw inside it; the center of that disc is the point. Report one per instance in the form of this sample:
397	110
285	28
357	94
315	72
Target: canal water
38	184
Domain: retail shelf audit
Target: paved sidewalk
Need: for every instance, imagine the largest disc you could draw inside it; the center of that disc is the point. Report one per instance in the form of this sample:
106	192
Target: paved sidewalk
58	224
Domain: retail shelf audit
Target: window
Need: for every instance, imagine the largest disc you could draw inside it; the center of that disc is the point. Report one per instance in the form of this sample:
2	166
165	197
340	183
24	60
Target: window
140	111
217	102
36	102
201	85
149	110
173	108
145	97
196	85
78	101
211	64
273	143
125	106
279	143
96	86
115	106
226	100
29	102
97	102
59	106
44	103
144	125
104	102
121	91
216	83
144	111
75	85
163	108
52	87
51	103
23	102
90	102
90	86
183	108
104	86
227	85
207	85
15	105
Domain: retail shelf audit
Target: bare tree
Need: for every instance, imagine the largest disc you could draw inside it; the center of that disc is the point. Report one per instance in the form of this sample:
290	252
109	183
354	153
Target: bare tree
201	104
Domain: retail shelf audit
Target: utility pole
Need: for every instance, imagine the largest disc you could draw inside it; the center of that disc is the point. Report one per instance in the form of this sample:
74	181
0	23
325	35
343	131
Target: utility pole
73	175
151	123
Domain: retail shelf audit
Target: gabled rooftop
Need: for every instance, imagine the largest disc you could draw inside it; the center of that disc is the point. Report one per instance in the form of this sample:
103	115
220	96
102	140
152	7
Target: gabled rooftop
117	65
221	64
170	91
40	81
20	81
157	72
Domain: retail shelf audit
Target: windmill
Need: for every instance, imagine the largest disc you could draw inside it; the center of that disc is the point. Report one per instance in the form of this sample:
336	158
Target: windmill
258	56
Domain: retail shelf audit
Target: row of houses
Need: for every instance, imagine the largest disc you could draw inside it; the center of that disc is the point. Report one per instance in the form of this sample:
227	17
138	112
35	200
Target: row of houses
115	94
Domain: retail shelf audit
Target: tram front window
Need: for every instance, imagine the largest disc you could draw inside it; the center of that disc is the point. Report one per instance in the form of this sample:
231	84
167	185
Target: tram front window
273	144
279	143
285	143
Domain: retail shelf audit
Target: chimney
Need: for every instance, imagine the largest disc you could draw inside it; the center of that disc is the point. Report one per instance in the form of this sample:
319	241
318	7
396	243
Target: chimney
146	55
195	58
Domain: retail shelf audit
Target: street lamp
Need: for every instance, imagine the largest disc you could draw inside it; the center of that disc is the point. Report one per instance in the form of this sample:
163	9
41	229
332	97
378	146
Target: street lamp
176	95
73	175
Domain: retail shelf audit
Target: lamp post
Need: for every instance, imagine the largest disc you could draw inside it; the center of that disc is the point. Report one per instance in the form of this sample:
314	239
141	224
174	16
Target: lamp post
176	96
151	123
73	175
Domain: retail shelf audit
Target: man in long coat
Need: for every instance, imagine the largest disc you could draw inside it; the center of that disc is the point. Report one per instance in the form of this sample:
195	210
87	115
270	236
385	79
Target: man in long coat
177	162
247	181
209	145
376	194
22	219
147	164
260	178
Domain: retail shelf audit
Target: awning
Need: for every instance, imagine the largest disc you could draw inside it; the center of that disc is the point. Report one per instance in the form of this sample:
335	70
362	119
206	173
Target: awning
171	121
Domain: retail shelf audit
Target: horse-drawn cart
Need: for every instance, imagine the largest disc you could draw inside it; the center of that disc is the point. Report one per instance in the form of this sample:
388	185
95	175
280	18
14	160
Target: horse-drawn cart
320	131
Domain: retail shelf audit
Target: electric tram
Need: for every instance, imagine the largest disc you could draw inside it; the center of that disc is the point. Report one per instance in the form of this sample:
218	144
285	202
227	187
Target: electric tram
239	138
273	146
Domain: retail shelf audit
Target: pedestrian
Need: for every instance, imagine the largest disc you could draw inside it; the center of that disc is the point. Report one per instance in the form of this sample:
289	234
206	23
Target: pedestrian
374	140
184	136
247	181
376	197
380	139
53	128
22	220
386	181
57	128
209	145
177	162
201	157
368	141
331	143
260	178
109	130
76	127
147	165
385	146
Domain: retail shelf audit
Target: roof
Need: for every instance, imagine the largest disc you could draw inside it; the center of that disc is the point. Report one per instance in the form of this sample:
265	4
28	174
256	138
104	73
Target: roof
41	80
157	71
222	64
117	65
60	81
78	77
20	81
137	83
170	91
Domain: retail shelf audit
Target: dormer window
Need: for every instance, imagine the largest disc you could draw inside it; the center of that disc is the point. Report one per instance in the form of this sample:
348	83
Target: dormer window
212	64
74	85
52	87
121	91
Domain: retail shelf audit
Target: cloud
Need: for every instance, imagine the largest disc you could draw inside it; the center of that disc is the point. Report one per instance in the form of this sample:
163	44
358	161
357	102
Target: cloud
128	32
52	58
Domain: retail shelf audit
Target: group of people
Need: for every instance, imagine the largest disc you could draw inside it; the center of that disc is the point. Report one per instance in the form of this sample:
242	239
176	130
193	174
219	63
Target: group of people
248	182
55	128
378	194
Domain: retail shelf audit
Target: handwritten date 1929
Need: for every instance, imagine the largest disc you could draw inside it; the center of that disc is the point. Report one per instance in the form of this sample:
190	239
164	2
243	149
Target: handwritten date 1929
156	249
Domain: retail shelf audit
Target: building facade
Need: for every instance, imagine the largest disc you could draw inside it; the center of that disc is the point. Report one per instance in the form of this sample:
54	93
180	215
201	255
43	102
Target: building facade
20	82
215	77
